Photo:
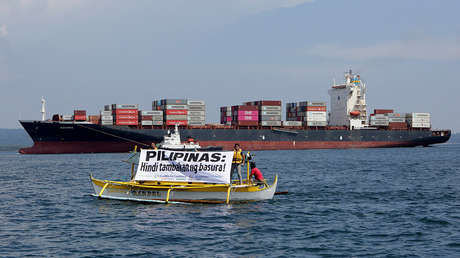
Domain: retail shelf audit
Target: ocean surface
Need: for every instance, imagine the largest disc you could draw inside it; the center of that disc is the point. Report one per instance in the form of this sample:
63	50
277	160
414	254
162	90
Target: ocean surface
402	202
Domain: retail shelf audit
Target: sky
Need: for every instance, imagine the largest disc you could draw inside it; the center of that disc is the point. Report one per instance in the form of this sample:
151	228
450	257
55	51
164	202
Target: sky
82	54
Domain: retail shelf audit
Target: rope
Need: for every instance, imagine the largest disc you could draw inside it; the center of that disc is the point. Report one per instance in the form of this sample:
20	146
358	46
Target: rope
113	135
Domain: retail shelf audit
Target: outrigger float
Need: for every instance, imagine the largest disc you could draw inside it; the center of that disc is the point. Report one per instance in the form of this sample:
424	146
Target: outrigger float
165	176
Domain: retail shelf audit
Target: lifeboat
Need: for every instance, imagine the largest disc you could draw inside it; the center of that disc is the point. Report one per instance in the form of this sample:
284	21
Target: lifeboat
355	113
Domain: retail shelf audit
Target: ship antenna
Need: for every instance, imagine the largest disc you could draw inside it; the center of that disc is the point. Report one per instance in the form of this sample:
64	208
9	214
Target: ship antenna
43	109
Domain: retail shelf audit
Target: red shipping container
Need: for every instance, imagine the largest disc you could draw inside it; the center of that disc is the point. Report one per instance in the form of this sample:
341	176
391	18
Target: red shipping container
126	117
246	123
80	117
125	112
176	112
146	117
126	122
317	108
268	103
79	112
174	122
248	118
383	111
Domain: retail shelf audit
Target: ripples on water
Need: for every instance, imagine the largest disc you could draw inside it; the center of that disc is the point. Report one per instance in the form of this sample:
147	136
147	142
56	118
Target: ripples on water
366	202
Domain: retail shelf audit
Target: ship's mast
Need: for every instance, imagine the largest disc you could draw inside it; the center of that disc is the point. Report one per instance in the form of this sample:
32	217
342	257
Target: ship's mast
43	111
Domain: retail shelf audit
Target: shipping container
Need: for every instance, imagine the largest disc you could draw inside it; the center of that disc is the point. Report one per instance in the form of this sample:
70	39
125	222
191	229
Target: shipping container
383	111
178	122
126	117
107	107
150	113
176	117
125	112
270	118
195	102
270	113
270	108
316	123
196	123
175	107
67	117
79	117
292	123
106	122
144	118
125	106
244	108
197	113
174	102
248	113
197	108
246	123
247	118
126	122
270	123
157	118
196	118
160	122
107	118
146	122
106	113
176	112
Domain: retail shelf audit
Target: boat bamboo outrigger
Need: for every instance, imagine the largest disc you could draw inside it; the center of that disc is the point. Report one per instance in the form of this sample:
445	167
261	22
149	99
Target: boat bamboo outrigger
167	176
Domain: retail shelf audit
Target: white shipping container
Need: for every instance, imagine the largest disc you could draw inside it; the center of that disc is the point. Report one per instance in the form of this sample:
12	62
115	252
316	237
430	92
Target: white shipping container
157	122
418	115
106	118
195	102
316	123
421	125
126	106
271	108
379	123
315	119
316	104
199	123
157	118
200	113
197	108
270	123
271	113
419	120
292	123
67	117
175	107
196	118
316	113
397	120
106	113
146	122
176	117
106	122
151	113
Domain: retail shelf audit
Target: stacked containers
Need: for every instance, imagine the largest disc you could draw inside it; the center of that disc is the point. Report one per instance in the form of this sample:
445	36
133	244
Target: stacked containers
106	115
419	120
269	112
316	114
174	111
125	114
396	121
79	115
379	120
196	112
245	115
226	115
150	118
308	113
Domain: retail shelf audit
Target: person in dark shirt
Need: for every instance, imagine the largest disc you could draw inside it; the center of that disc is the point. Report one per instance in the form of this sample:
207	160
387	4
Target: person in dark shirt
258	177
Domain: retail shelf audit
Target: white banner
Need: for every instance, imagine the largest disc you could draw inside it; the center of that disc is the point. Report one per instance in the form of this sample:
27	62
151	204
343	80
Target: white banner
184	166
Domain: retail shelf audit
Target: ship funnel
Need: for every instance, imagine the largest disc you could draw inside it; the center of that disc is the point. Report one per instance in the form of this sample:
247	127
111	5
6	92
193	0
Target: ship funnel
43	111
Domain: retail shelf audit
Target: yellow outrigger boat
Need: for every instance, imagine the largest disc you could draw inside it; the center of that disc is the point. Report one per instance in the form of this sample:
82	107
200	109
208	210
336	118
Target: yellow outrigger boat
184	189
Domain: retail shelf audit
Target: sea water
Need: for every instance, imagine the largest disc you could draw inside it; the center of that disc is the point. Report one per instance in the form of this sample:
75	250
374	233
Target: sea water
360	202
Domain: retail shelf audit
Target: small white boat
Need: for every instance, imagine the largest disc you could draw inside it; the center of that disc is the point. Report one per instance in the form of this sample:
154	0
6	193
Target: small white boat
172	141
190	186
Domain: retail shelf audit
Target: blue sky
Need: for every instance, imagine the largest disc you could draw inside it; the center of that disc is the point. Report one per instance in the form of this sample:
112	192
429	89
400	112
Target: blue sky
84	54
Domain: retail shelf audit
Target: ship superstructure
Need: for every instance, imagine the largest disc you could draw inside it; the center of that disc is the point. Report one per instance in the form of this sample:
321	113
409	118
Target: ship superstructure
348	103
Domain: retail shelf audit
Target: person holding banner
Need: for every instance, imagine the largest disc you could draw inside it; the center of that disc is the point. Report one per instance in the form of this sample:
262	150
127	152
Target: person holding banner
238	161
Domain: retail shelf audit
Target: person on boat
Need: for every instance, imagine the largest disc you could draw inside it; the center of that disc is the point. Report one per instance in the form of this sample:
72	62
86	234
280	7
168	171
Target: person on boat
237	162
258	177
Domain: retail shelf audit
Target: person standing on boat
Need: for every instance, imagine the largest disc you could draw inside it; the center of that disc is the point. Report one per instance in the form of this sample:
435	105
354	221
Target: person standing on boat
238	160
259	178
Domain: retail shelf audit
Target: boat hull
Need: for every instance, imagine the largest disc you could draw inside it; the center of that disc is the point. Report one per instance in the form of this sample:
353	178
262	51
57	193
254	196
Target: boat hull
58	137
208	194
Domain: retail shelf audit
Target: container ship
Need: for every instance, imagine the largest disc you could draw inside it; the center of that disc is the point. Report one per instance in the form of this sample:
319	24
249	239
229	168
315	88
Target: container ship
255	125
